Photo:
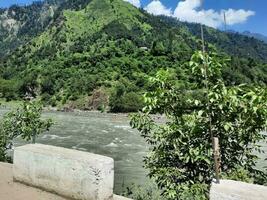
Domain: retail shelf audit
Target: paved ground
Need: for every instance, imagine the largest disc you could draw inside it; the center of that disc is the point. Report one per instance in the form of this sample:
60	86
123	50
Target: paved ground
10	190
234	190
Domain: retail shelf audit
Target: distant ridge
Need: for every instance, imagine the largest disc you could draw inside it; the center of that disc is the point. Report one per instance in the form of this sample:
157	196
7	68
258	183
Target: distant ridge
256	35
21	24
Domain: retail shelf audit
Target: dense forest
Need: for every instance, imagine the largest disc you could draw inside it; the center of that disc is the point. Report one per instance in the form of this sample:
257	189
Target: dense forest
92	54
256	35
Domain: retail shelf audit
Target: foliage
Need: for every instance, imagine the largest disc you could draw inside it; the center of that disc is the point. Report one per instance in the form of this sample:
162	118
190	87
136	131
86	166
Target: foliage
25	122
148	191
180	159
4	146
239	174
124	100
230	42
63	50
9	89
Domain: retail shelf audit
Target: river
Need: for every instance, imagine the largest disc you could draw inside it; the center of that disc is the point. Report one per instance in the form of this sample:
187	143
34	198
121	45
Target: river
105	134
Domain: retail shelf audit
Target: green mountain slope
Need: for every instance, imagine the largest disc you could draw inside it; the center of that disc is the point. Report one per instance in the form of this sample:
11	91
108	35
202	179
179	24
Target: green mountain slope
20	24
256	35
232	43
93	54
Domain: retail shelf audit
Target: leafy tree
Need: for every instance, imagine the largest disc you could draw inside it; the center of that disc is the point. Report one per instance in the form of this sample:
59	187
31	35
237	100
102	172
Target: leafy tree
157	48
5	141
25	122
180	159
124	98
9	89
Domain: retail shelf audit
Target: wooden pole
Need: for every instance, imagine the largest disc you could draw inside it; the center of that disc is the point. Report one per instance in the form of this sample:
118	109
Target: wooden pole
217	159
203	40
225	23
214	140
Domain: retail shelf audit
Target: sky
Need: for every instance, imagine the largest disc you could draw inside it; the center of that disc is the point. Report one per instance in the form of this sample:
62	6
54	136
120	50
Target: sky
241	15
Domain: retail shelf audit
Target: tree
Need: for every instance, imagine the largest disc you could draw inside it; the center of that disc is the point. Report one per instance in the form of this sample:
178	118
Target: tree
9	89
180	160
4	146
157	48
25	122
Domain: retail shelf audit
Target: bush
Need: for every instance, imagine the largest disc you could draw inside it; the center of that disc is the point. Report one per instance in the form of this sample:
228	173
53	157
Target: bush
148	191
9	89
124	98
181	157
128	102
25	122
5	141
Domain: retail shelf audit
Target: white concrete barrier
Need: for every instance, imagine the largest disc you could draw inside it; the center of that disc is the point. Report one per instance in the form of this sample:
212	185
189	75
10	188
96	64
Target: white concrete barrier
235	190
70	173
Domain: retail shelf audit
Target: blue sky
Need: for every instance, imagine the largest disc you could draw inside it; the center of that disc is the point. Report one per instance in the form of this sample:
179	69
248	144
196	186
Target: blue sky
241	15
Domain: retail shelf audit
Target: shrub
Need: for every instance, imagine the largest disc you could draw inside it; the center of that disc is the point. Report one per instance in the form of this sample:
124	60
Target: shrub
128	102
148	191
181	157
25	122
124	98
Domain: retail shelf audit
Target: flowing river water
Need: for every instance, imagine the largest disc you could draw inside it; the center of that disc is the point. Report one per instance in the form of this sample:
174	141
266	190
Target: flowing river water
104	134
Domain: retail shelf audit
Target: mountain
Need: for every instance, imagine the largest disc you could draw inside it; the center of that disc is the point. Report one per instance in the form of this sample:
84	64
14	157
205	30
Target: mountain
93	54
230	42
19	24
256	35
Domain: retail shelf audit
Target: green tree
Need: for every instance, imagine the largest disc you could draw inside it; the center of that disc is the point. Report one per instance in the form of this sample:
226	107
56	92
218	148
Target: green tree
181	157
9	89
25	122
5	142
157	48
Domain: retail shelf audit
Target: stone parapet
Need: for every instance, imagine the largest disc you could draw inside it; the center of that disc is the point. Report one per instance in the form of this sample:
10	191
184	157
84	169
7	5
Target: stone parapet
235	190
69	173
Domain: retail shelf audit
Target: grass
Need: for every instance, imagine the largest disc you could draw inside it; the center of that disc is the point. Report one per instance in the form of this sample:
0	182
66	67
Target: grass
9	104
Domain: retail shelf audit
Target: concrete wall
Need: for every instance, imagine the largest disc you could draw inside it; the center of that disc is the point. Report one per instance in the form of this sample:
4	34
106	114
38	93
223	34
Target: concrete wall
235	190
71	173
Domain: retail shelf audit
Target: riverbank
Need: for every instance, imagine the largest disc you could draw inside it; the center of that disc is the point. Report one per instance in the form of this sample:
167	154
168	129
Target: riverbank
9	104
4	105
15	104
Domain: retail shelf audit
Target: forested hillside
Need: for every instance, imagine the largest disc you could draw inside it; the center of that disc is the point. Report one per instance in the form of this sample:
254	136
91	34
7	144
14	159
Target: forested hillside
20	24
256	35
92	54
232	43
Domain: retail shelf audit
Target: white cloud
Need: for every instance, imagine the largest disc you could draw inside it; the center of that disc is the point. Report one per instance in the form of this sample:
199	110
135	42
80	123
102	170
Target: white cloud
157	8
237	16
136	3
190	11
